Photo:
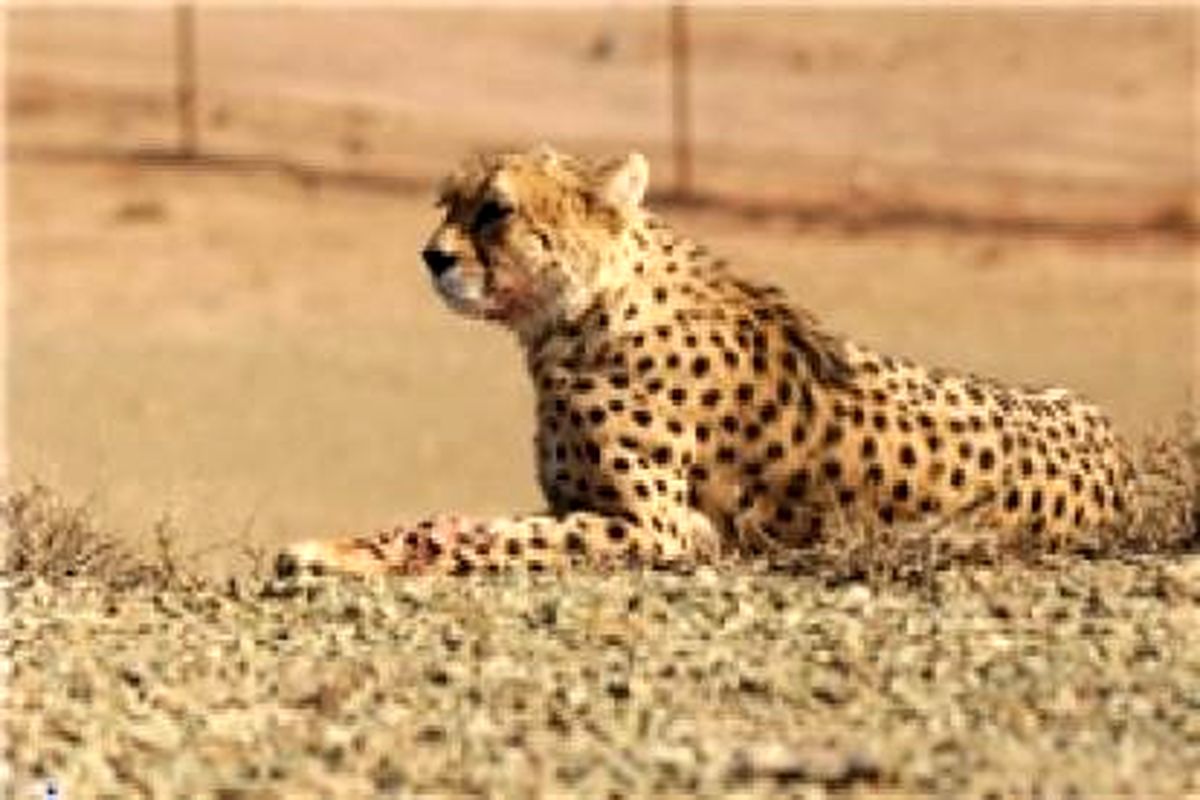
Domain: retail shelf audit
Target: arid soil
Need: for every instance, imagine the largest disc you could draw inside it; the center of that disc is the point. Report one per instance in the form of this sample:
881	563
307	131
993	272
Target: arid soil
240	350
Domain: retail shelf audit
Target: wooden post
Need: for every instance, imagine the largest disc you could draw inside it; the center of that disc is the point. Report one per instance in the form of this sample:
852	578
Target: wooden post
185	79
681	105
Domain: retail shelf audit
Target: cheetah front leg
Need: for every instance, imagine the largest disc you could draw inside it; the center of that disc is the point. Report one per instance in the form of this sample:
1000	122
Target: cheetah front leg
451	545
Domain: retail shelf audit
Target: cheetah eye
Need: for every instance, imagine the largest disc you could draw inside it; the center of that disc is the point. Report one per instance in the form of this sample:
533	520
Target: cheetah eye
490	213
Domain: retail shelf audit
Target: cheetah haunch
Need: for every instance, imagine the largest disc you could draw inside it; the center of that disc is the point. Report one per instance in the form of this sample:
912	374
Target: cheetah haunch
684	412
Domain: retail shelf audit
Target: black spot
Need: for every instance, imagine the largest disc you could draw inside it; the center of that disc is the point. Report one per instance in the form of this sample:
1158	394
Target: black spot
661	455
784	393
887	514
798	433
700	366
908	456
833	434
642	417
607	492
797	484
710	397
832	469
808	401
870	448
900	491
1013	500
752	431
987	459
745	392
957	477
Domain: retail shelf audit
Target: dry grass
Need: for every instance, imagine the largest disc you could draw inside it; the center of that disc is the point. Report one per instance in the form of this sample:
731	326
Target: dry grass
54	539
1168	465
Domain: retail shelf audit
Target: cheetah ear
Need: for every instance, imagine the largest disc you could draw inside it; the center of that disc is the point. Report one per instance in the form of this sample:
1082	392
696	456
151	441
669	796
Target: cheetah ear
622	184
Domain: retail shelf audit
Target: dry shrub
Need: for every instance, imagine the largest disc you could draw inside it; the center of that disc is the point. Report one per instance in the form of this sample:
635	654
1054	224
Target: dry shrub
1168	467
56	540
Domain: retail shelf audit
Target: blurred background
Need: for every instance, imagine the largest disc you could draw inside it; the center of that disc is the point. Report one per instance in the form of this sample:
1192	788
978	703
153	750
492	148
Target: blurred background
216	309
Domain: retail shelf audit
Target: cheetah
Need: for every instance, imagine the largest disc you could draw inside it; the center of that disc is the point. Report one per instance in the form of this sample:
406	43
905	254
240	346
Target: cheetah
685	414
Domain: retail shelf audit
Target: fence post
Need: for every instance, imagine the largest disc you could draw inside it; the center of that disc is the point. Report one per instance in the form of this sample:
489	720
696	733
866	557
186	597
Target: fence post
681	106
185	79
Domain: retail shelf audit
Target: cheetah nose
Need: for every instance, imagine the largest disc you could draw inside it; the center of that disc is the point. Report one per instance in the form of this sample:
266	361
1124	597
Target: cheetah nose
437	260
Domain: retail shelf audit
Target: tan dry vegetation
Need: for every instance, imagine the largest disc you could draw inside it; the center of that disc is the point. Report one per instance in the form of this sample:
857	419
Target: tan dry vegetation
261	356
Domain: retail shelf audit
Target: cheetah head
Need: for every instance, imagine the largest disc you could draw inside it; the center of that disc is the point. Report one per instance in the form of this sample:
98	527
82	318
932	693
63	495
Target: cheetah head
528	239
